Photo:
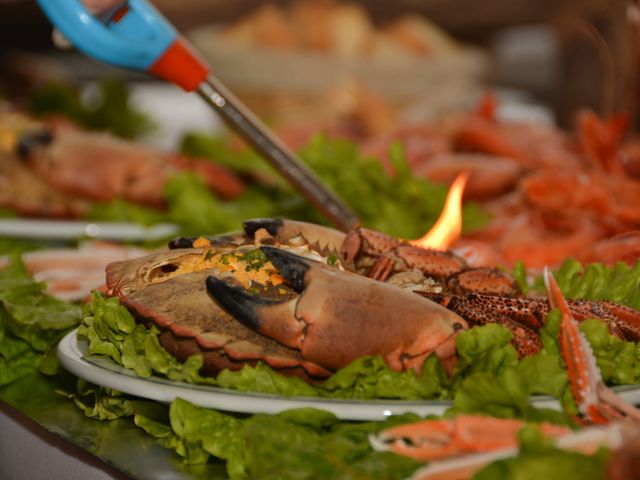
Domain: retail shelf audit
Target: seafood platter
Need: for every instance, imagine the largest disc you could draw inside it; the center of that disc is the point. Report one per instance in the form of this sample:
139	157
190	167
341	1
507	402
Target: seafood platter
306	302
290	349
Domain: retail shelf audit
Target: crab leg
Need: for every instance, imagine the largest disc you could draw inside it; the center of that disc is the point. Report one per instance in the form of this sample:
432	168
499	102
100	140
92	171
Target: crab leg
340	317
442	438
588	440
392	254
596	402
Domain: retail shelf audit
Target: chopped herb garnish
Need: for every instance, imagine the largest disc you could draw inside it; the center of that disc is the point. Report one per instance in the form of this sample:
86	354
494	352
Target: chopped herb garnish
255	259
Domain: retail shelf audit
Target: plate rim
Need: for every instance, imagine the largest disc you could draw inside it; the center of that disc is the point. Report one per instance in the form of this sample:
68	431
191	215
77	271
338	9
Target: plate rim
48	229
71	356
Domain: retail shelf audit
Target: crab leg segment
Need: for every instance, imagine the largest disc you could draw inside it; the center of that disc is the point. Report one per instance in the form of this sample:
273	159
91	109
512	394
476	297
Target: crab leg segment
576	351
616	436
378	256
368	242
442	438
340	317
596	402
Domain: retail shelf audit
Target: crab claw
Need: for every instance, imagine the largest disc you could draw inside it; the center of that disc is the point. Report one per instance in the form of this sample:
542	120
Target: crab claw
340	317
322	239
442	438
596	402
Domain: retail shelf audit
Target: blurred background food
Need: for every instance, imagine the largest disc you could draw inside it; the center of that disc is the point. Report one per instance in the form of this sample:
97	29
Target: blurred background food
552	50
386	101
293	61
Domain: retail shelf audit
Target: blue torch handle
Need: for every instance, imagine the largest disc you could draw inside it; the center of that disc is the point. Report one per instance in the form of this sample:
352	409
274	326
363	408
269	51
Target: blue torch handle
135	40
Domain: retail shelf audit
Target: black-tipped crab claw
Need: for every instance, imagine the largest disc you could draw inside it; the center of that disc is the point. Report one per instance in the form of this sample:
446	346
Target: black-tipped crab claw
340	316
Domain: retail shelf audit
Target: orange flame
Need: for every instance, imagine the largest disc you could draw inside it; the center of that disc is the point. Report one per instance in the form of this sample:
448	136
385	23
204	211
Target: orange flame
448	228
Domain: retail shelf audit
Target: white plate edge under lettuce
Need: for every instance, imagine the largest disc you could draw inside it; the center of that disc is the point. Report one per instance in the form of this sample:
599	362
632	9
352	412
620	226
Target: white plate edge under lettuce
106	373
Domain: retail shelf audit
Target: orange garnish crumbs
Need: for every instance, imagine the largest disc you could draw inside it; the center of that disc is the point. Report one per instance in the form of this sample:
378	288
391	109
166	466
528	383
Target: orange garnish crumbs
448	228
276	279
201	242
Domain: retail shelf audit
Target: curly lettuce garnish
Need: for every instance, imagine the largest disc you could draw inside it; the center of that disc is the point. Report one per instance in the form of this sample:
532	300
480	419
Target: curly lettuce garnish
31	323
595	281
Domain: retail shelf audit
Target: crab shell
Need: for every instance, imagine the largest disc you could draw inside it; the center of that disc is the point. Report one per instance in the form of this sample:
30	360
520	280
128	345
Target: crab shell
340	316
324	240
168	289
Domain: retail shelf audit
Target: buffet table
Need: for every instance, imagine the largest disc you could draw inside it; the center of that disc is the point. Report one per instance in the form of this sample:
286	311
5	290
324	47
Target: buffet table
45	436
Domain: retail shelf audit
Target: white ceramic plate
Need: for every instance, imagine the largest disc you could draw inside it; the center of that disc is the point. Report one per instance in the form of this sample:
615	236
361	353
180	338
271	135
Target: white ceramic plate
71	230
107	374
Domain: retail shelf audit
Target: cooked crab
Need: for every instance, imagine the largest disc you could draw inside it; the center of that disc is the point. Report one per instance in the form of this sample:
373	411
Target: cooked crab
168	289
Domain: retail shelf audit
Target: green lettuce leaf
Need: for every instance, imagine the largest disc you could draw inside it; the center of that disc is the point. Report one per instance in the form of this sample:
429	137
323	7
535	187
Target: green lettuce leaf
112	332
595	281
261	378
200	432
303	444
31	323
371	378
544	374
500	395
219	149
486	348
490	380
120	210
101	403
280	446
108	109
17	367
105	325
538	458
193	206
153	418
32	314
401	205
618	360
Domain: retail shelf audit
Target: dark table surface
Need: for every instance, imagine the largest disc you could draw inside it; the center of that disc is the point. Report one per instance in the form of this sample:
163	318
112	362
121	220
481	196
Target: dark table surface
44	435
